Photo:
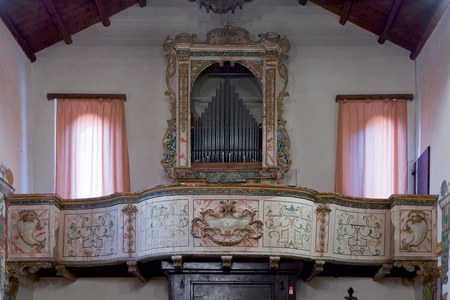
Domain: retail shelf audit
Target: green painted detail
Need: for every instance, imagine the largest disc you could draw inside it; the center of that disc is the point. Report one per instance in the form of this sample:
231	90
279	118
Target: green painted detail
359	238
288	226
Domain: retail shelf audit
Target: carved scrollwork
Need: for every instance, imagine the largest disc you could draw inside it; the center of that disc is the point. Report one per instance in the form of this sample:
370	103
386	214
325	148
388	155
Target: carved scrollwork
422	268
227	226
283	148
323	215
266	59
27	226
130	228
416	229
383	271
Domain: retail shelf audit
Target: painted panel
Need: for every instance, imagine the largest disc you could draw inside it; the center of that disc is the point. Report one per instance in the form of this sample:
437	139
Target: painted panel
359	233
225	222
164	223
90	234
416	230
288	224
29	232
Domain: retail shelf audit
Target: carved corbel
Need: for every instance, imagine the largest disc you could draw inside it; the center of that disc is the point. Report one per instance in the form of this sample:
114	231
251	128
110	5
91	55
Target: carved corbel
384	270
318	268
62	271
133	268
423	269
11	281
226	261
16	269
273	263
177	261
428	271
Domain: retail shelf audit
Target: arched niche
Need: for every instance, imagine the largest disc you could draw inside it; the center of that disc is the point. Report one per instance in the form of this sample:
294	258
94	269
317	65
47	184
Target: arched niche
250	78
226	118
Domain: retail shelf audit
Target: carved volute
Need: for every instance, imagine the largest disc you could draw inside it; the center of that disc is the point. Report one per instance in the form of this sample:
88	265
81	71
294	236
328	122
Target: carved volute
264	60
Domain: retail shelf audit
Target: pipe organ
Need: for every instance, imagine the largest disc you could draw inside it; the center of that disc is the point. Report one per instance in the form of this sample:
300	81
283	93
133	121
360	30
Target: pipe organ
229	138
226	131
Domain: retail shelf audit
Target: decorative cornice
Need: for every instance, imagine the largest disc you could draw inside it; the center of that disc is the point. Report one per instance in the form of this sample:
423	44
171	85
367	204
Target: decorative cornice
222	189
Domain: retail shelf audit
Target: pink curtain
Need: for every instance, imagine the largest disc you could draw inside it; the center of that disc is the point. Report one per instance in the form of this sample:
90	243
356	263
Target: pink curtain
91	148
371	159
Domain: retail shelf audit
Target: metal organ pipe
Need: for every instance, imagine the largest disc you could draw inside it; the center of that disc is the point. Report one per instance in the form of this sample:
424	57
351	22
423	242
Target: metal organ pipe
226	131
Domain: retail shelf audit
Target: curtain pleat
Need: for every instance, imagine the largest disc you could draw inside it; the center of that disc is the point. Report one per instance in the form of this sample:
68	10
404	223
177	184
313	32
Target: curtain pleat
91	148
371	156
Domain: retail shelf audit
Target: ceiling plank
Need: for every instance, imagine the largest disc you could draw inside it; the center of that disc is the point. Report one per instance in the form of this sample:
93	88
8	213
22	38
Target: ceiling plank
50	6
302	2
441	8
17	36
390	20
346	13
142	3
102	12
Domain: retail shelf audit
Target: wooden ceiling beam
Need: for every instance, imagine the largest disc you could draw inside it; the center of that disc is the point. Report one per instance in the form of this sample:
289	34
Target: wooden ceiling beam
441	8
346	12
142	3
302	2
16	34
390	20
51	9
102	13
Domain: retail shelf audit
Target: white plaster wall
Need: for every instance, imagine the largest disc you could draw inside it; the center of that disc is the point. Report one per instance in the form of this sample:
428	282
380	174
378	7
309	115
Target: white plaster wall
321	288
325	59
14	72
317	75
95	289
433	91
137	72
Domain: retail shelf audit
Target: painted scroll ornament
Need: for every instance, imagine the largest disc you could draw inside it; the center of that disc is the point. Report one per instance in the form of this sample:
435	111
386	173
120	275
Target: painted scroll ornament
28	227
226	226
416	229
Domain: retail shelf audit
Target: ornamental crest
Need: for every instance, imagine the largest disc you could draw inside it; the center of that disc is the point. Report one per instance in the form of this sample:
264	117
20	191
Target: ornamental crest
226	225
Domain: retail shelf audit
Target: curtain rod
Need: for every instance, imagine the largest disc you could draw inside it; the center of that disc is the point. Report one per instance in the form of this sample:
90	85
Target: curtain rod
409	97
52	96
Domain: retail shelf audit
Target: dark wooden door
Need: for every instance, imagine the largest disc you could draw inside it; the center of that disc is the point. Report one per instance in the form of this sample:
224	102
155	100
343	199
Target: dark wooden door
244	281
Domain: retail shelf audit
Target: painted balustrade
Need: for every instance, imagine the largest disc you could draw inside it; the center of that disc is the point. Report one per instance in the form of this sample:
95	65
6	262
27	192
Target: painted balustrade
214	220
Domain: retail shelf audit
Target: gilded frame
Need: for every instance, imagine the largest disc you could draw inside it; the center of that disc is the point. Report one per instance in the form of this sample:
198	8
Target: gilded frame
265	58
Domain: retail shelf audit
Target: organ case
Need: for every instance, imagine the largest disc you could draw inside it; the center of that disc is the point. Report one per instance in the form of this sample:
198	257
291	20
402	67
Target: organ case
225	142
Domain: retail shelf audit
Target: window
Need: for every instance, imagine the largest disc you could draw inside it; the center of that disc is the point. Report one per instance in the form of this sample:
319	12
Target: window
91	148
371	159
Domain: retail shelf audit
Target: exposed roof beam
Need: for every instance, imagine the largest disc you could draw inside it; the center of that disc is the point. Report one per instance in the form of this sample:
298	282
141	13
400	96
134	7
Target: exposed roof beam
302	2
102	12
346	11
142	3
50	6
441	8
19	38
390	20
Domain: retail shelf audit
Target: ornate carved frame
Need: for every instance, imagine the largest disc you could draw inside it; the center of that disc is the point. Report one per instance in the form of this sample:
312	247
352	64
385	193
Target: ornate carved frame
265	58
